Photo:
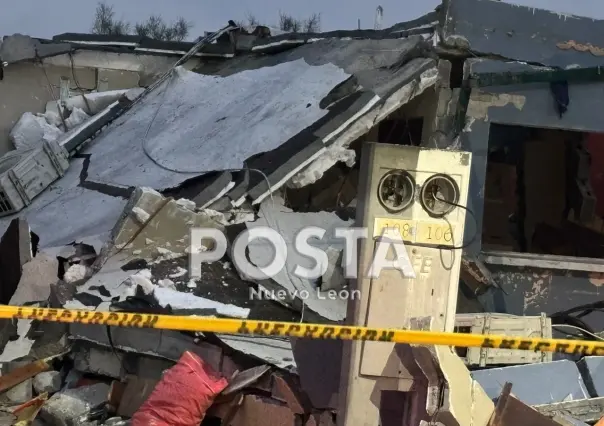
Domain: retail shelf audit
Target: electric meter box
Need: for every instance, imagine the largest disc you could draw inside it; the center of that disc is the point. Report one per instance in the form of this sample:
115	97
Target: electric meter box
420	194
25	174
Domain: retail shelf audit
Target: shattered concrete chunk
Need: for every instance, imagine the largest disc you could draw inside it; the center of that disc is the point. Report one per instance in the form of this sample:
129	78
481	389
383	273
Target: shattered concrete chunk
141	278
187	204
36	279
170	346
274	214
187	301
140	215
31	131
19	47
17	349
48	381
77	273
61	293
67	407
561	379
98	361
170	223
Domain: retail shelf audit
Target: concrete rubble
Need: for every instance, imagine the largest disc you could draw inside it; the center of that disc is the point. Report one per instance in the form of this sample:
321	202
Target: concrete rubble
114	235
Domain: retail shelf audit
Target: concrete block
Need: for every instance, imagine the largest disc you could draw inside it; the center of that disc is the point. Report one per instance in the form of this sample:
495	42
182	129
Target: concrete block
66	407
48	381
169	225
534	384
592	370
98	361
167	344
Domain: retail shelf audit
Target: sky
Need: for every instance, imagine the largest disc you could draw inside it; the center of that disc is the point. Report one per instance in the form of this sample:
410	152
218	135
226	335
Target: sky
44	18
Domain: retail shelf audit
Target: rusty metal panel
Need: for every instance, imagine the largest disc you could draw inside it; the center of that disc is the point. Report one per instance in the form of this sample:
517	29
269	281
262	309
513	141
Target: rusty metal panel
511	412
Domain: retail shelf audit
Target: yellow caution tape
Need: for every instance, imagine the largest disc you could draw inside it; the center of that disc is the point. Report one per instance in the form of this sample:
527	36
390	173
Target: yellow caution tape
310	331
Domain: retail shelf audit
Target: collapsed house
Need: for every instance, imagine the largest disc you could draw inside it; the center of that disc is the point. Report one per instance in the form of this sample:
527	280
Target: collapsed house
267	130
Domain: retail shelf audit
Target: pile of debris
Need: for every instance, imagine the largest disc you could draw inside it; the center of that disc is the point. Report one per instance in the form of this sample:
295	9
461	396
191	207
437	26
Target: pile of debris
68	374
272	140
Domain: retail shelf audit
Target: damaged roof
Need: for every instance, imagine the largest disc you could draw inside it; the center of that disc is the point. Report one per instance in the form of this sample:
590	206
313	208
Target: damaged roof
274	114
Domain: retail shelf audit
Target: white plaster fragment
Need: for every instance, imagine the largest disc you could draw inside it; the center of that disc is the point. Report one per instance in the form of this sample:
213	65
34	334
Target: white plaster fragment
187	204
76	273
140	215
178	273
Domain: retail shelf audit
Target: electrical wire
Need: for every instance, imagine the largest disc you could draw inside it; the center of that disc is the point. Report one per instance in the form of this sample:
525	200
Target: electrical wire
52	93
275	225
582	330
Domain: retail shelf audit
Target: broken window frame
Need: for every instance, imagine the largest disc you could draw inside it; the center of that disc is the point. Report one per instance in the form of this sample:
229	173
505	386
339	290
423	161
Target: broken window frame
516	76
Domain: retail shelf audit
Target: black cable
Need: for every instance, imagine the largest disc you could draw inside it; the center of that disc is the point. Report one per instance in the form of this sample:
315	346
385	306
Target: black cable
446	247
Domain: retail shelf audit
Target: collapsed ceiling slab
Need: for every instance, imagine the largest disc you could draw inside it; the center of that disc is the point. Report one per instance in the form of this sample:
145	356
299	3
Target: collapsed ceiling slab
199	123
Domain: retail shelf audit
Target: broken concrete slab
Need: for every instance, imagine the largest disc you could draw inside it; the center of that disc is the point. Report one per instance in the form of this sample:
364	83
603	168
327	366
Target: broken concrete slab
585	410
275	215
50	339
20	347
592	370
19	47
36	278
561	379
150	221
97	360
158	343
216	189
67	211
276	351
65	408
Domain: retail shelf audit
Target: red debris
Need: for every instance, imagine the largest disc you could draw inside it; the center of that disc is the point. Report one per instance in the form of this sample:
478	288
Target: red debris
183	395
